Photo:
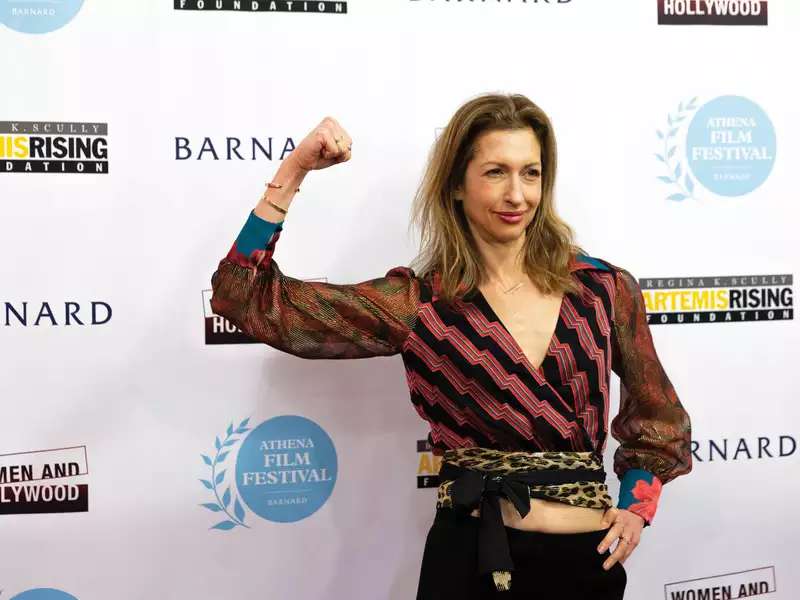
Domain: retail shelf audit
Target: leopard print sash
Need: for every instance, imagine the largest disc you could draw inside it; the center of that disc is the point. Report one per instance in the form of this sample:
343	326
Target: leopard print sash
589	494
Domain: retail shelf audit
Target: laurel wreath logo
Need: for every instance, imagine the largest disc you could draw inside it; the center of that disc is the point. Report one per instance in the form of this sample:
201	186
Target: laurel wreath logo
677	174
223	502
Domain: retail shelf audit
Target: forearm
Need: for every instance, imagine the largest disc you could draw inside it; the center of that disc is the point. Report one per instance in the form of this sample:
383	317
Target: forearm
290	176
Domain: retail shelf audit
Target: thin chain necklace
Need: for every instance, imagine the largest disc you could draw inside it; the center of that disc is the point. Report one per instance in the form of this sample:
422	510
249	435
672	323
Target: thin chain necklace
513	288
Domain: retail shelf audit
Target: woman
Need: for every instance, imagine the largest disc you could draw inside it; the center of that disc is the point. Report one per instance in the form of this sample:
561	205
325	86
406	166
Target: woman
499	288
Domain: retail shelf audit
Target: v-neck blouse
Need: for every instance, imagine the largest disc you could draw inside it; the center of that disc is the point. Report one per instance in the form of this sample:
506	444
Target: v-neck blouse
466	374
486	308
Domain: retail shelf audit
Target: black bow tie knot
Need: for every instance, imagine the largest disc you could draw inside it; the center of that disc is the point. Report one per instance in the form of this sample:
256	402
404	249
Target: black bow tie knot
472	489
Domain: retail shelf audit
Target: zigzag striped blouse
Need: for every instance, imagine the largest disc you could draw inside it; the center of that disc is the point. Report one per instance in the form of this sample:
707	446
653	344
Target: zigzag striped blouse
467	376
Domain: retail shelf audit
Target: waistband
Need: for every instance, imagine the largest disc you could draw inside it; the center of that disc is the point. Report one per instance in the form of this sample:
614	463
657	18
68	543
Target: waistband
472	478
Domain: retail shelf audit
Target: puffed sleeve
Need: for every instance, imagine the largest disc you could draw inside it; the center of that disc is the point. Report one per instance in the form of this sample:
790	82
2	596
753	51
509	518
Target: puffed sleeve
306	318
652	426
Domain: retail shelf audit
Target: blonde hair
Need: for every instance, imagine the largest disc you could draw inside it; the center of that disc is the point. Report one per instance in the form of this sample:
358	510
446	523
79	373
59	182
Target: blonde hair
446	243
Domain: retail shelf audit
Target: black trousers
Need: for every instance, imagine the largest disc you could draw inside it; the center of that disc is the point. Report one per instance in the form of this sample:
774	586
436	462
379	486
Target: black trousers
547	566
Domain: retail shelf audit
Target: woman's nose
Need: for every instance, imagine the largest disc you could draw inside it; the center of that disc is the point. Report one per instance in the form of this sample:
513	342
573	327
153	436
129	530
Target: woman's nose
514	193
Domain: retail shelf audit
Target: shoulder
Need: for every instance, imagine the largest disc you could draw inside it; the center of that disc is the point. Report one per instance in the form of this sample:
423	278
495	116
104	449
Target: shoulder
583	262
623	278
401	271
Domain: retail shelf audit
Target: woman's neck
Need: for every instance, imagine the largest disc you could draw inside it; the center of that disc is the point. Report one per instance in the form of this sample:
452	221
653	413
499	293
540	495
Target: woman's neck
503	263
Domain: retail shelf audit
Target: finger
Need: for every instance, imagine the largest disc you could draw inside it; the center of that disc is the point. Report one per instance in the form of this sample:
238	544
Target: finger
345	142
629	550
619	553
342	141
329	149
337	133
613	533
630	546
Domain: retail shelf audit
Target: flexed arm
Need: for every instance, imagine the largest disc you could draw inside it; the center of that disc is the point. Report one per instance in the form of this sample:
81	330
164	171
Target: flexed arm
309	319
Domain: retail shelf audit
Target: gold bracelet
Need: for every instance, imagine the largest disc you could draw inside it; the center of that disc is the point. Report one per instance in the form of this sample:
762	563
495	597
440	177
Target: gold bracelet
278	186
276	207
280	209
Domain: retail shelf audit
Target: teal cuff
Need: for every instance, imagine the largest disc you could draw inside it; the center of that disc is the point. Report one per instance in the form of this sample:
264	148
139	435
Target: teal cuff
639	492
628	482
256	233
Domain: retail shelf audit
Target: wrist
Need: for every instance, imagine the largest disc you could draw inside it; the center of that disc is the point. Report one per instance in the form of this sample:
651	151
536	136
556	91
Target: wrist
291	169
289	176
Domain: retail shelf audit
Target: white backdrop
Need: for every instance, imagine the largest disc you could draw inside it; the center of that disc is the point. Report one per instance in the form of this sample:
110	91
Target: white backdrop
141	396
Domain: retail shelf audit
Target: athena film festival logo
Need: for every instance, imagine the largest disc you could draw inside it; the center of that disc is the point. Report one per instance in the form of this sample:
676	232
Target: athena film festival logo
284	470
43	594
53	147
725	147
283	6
44	481
718	299
712	12
38	16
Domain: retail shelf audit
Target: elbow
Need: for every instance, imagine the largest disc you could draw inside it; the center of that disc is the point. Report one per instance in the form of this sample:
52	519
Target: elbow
218	301
218	305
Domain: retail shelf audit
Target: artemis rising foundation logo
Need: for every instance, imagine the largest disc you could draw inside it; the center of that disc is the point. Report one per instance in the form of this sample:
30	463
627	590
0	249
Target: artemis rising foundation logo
291	6
428	465
718	299
53	147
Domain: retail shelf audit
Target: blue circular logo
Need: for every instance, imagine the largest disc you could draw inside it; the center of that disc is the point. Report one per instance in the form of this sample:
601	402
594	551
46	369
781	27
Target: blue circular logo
286	469
44	594
36	16
730	145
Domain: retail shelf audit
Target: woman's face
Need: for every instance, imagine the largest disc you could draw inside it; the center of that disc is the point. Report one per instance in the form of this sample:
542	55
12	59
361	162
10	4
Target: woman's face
502	185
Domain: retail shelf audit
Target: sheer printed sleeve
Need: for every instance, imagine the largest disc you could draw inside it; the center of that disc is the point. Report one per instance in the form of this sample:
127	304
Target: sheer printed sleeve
310	319
652	427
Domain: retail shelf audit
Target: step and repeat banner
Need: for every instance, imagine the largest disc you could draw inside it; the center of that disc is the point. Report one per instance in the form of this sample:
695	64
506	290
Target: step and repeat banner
150	450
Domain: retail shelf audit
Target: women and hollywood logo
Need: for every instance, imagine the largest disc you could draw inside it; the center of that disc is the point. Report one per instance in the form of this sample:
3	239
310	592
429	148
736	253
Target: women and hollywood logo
729	148
285	470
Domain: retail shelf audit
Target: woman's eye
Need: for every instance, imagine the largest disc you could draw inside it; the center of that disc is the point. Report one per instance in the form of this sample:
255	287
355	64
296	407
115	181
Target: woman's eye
534	172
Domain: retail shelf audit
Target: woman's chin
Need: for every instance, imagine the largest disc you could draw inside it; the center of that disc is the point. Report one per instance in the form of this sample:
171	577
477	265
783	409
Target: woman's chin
509	235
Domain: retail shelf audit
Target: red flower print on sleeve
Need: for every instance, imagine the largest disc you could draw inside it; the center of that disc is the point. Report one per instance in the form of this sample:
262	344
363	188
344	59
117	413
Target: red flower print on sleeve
647	495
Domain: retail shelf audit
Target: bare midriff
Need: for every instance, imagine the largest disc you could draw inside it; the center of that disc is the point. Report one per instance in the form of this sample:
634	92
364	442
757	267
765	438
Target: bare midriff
551	517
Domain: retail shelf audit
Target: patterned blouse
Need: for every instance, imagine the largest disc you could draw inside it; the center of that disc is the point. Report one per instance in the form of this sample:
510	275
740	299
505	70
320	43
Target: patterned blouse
467	376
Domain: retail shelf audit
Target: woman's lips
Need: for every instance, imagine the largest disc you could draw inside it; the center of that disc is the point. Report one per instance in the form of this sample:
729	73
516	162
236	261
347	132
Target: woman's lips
510	217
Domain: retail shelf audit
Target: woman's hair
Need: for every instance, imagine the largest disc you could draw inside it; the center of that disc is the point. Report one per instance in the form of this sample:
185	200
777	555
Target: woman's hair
446	242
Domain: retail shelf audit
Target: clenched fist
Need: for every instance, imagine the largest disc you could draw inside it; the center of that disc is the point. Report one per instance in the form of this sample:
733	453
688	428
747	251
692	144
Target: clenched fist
326	145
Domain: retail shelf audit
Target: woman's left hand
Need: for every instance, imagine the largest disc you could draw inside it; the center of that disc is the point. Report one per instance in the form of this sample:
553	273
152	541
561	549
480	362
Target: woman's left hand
625	527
